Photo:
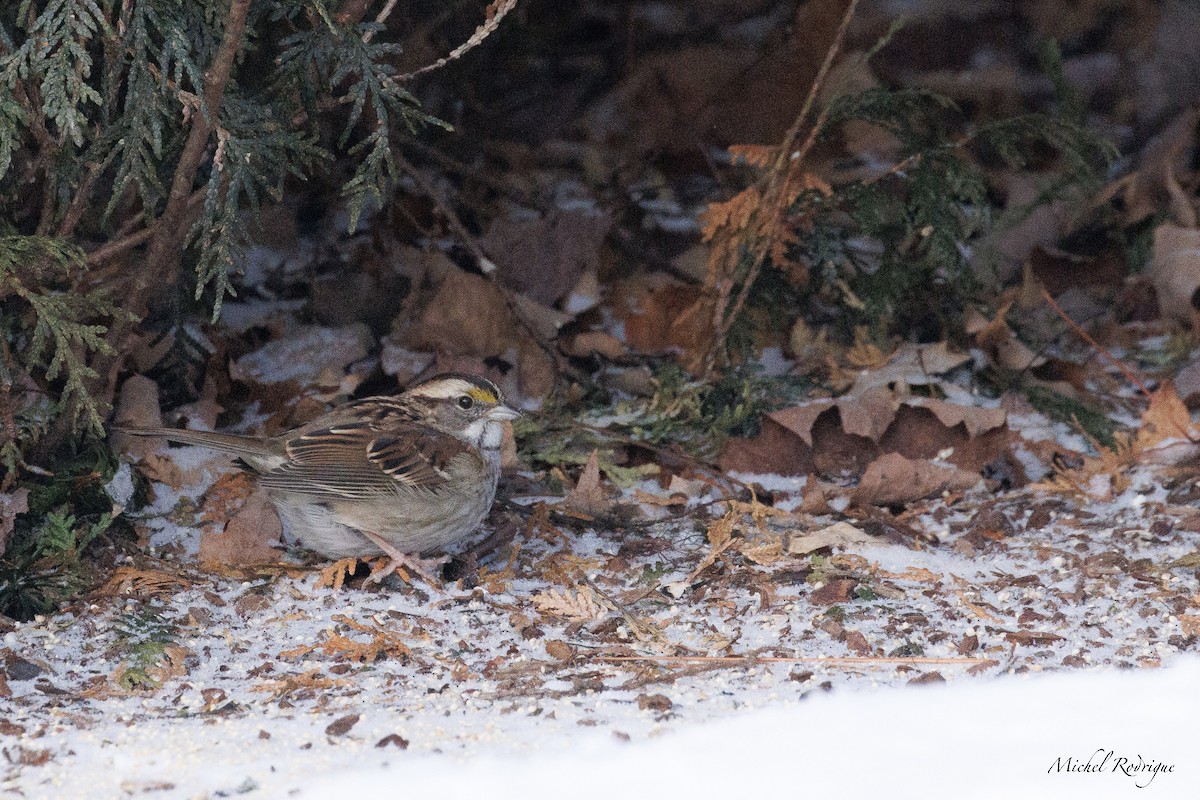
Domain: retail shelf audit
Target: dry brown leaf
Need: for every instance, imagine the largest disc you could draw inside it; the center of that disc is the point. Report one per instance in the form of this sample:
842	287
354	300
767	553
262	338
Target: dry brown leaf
137	407
661	314
1145	191
914	574
865	354
248	535
911	365
589	495
813	499
1175	271
587	343
340	647
312	680
839	534
977	421
1039	223
998	342
1166	434
847	434
543	257
543	320
725	92
893	479
466	316
764	554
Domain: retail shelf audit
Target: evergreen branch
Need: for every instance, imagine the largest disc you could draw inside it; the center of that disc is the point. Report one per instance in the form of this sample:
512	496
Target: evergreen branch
160	260
55	55
63	331
254	155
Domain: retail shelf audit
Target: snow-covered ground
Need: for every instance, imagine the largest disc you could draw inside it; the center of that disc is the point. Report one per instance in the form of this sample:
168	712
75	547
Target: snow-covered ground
1001	738
602	661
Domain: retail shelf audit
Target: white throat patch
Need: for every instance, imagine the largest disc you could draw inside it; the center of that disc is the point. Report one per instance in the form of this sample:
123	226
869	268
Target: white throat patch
484	434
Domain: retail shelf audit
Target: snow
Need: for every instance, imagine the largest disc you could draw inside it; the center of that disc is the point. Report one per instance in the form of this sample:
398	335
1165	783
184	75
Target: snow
1000	739
995	739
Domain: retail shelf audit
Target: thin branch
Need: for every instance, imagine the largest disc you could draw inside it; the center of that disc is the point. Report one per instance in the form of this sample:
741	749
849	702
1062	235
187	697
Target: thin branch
161	258
725	314
486	265
129	241
380	19
78	202
1107	356
496	11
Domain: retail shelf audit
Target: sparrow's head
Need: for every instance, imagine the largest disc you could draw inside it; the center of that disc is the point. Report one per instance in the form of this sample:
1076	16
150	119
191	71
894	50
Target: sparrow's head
467	406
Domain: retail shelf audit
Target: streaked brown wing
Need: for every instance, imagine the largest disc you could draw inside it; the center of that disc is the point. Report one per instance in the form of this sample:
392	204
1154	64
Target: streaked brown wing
331	463
416	456
355	461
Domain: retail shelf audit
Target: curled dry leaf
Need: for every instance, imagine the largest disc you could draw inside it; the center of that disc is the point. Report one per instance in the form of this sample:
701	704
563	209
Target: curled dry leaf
543	257
998	342
848	433
911	365
1166	434
661	314
137	407
1175	271
839	534
893	479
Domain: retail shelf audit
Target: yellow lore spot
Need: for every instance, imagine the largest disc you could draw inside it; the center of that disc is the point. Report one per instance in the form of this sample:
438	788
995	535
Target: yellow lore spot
482	395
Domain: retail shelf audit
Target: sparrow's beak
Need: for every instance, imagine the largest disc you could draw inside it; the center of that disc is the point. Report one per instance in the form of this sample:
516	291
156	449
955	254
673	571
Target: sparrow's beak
502	413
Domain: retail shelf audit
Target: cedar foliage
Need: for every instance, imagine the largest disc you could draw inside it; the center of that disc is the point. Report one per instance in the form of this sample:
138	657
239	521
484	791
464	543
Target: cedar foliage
159	125
165	124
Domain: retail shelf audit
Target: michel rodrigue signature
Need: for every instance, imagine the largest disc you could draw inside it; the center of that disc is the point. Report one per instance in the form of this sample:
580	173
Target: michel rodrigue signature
1142	770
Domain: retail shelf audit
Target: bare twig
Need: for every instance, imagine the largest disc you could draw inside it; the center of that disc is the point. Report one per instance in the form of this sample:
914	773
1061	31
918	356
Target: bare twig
486	265
129	241
380	19
79	200
1103	353
725	313
496	11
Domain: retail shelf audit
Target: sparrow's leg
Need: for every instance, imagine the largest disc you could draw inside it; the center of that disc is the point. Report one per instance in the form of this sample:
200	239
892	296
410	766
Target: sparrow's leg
421	566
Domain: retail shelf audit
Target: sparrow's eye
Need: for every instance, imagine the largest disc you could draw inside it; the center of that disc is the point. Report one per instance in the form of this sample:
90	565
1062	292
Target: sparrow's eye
466	402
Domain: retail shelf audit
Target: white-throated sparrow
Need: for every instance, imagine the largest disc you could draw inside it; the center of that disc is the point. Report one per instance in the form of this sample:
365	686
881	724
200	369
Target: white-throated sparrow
397	476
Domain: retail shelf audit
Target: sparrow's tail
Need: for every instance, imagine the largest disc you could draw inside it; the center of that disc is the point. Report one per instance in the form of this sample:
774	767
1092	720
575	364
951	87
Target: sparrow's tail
253	447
